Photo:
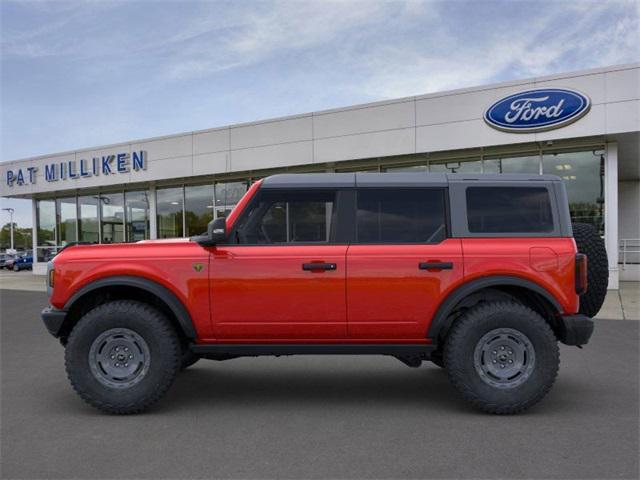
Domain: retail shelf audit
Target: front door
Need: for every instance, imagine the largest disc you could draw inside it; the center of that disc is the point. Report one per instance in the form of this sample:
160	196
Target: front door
282	276
400	264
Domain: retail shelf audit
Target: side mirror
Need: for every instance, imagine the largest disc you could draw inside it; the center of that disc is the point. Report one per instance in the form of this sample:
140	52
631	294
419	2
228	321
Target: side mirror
217	231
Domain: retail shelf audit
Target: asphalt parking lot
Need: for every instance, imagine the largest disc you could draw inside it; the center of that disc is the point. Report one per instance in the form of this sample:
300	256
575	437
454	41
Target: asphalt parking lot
316	417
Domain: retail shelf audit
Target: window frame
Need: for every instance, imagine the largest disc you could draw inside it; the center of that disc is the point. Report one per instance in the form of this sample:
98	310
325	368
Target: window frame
447	217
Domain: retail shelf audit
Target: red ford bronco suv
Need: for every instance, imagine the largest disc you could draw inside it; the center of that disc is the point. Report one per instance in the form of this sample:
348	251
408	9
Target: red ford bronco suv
480	274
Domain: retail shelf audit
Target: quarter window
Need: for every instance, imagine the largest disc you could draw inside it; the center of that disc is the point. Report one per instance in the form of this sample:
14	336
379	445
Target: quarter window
401	216
509	210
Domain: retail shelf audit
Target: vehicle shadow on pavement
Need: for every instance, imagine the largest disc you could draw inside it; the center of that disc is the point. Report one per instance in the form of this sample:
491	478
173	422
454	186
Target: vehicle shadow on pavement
215	383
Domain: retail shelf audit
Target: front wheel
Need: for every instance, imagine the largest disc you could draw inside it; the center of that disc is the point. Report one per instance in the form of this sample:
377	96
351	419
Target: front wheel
502	357
122	356
16	268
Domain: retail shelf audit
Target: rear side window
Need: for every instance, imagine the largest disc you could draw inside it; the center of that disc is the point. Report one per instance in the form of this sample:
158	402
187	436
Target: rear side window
509	210
401	216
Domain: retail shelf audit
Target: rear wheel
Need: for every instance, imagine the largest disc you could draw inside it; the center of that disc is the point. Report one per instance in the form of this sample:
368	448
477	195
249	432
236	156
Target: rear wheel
589	242
122	356
502	357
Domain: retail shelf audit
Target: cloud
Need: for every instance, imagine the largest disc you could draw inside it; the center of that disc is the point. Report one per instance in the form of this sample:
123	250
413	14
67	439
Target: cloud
562	37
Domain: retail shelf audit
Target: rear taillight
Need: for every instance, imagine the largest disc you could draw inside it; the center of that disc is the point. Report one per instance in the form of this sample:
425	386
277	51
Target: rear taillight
581	273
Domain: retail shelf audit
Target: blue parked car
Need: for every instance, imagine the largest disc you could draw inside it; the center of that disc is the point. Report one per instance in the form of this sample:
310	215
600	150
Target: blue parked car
21	262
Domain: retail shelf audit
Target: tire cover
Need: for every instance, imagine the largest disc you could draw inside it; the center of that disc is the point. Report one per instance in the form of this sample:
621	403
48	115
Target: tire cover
589	242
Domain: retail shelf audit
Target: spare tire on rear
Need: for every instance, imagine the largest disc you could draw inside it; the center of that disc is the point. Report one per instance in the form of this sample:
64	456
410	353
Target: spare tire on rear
591	244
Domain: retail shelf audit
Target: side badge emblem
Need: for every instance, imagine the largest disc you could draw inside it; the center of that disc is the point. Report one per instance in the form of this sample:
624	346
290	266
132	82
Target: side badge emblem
198	267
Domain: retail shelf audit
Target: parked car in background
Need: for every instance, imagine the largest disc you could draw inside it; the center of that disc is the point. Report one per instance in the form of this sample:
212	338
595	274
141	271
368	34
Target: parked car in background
23	261
5	258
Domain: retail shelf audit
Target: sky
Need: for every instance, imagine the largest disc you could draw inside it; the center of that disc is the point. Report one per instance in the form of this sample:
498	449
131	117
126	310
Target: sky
88	73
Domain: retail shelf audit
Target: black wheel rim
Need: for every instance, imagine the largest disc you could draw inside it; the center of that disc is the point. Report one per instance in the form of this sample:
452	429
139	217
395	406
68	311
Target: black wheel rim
119	358
504	358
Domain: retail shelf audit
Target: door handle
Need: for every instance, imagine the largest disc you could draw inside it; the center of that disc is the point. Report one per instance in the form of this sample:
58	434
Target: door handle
435	265
318	266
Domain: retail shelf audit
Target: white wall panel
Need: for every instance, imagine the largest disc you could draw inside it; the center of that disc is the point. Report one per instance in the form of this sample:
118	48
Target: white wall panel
210	163
461	107
623	85
177	167
272	156
623	116
212	141
179	146
367	145
271	133
469	134
362	120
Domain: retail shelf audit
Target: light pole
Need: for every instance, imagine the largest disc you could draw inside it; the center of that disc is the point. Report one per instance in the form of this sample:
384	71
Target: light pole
10	210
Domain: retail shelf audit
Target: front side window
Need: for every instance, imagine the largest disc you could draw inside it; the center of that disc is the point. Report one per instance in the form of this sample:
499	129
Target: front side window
509	210
288	217
401	216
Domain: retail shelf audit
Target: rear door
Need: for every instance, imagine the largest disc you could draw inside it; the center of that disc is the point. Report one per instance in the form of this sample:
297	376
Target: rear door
401	263
284	278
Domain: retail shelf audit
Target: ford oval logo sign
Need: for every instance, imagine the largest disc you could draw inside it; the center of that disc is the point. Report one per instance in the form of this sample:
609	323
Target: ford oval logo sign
537	110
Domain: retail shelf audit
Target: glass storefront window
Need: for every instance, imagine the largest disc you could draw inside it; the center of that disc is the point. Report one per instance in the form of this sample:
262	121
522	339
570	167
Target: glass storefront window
456	166
525	164
46	229
583	175
169	205
112	217
198	208
46	223
227	195
67	220
88	219
137	215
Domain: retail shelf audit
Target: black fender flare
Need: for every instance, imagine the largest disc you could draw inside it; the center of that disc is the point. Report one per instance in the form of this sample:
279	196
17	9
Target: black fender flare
154	288
441	320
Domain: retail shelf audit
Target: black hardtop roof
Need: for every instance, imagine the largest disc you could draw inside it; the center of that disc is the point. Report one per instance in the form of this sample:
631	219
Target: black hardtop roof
404	179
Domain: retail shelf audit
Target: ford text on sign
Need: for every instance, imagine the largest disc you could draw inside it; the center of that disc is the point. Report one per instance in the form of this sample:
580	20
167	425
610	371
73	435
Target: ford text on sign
537	110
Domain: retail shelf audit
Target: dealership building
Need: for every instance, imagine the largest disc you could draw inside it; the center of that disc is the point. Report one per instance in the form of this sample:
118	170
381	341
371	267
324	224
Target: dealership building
582	126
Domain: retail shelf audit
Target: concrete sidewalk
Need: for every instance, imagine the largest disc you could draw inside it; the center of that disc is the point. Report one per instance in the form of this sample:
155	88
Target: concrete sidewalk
623	304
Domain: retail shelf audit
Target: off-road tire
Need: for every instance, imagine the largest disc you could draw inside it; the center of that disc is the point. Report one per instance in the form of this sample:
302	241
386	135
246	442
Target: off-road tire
188	358
16	268
469	330
589	242
164	353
